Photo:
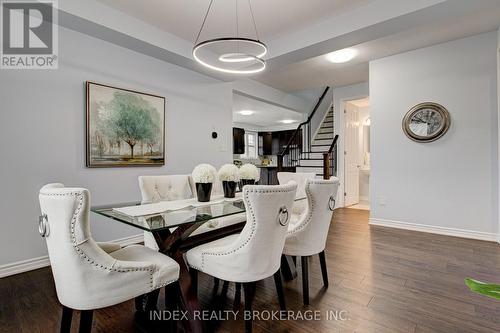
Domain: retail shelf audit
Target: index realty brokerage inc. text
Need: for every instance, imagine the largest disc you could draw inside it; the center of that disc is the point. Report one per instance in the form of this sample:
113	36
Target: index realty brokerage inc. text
315	315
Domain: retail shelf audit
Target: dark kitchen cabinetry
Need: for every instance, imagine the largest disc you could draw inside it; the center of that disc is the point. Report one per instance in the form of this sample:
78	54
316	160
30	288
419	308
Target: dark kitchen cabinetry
272	143
266	143
238	140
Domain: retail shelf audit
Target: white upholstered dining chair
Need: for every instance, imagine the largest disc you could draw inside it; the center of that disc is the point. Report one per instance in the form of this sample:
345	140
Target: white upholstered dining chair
255	253
163	188
299	206
90	275
308	236
178	187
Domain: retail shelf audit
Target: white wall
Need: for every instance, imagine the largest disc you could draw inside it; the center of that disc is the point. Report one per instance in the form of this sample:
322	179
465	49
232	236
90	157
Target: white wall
42	130
450	185
340	96
265	93
498	102
364	177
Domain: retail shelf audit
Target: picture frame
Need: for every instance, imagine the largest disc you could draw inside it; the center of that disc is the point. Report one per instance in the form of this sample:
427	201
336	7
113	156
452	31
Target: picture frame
124	128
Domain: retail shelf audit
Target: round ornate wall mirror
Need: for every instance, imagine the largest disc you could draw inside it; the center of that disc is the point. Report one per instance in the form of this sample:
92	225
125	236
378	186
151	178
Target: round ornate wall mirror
426	122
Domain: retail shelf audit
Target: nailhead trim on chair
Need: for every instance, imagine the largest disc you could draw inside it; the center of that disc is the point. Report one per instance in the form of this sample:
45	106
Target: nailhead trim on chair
77	211
312	203
253	226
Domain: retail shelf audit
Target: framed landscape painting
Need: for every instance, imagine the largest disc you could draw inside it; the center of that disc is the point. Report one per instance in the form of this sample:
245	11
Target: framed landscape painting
124	127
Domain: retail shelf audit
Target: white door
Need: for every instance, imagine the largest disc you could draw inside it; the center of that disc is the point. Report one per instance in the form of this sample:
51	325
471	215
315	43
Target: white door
351	158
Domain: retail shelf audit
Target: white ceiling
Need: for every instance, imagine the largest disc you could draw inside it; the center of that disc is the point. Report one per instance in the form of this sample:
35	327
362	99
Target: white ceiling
273	17
360	103
265	115
318	71
298	32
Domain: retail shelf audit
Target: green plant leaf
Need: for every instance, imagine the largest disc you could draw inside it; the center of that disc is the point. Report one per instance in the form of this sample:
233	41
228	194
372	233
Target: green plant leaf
490	290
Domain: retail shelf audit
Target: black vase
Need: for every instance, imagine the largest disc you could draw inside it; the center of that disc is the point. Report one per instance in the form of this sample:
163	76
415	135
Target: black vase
229	189
247	182
203	190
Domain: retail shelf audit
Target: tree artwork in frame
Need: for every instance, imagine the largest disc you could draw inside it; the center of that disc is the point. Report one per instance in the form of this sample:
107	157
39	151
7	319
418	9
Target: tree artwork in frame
124	127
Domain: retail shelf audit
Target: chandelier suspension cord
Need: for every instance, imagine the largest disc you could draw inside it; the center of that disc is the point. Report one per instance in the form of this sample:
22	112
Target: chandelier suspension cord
253	19
237	28
204	20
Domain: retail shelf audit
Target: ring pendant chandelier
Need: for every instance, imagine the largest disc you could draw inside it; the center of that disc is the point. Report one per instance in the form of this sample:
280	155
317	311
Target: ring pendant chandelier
233	55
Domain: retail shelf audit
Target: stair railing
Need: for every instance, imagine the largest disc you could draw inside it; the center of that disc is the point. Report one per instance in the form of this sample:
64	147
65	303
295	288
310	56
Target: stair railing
300	140
330	160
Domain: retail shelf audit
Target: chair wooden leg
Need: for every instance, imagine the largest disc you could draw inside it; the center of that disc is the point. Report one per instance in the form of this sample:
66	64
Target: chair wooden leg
172	302
194	280
288	268
279	289
215	290
140	303
67	316
249	291
237	296
86	317
324	271
305	280
152	300
223	293
172	296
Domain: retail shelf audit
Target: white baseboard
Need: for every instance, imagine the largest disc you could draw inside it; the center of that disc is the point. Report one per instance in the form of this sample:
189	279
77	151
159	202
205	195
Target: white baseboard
35	263
126	241
486	236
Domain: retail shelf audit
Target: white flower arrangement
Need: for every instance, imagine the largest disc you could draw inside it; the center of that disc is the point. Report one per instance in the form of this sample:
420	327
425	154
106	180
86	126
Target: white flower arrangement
249	171
229	173
204	173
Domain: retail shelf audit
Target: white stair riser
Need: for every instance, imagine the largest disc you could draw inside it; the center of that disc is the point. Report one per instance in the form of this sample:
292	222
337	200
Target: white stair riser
316	170
312	155
324	136
323	142
319	149
311	163
325	130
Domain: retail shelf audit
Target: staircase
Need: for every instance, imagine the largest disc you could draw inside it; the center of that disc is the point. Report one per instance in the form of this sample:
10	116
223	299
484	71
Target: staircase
312	160
305	153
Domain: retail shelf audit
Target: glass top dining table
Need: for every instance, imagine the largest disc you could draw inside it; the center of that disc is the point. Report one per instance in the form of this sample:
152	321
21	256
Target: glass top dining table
186	215
170	214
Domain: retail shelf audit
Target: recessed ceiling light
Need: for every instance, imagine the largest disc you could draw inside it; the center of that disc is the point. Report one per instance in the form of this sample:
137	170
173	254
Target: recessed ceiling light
288	121
341	56
246	112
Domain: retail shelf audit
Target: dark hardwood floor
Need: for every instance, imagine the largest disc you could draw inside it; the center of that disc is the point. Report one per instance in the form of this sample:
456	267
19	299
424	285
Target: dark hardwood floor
386	280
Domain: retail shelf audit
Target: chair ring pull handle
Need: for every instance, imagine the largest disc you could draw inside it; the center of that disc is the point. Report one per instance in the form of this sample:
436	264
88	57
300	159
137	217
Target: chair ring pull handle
43	225
283	213
331	203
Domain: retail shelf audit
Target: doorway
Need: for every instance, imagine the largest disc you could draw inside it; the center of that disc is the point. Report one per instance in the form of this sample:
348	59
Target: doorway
357	154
